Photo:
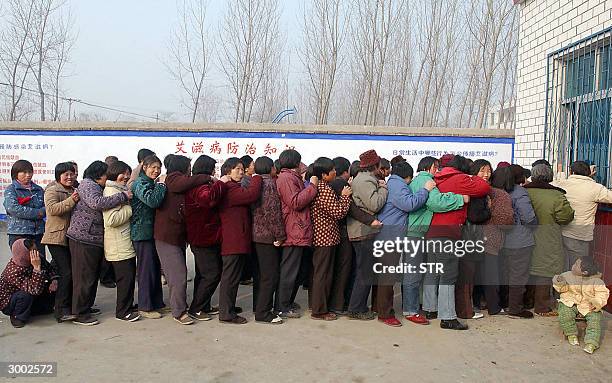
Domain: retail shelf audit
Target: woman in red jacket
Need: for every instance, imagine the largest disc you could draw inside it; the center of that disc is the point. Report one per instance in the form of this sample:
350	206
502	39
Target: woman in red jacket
295	203
204	236
170	234
235	235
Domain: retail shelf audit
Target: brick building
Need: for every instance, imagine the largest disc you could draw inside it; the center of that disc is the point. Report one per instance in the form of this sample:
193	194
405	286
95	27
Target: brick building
564	82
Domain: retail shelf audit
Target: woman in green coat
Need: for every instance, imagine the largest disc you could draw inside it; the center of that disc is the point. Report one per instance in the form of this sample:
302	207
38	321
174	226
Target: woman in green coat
553	210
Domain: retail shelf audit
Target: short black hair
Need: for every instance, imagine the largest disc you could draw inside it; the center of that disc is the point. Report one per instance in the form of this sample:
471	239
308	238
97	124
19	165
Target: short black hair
502	178
341	164
246	161
540	162
263	165
309	171
518	174
354	169
204	165
95	170
588	264
479	164
150	160
397	159
402	169
322	165
229	164
62	168
116	169
581	168
21	166
426	163
385	164
178	164
460	163
277	165
144	153
109	160
168	159
290	159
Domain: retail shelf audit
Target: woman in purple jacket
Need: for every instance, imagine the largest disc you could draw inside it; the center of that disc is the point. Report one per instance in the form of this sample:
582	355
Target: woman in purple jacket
268	235
86	239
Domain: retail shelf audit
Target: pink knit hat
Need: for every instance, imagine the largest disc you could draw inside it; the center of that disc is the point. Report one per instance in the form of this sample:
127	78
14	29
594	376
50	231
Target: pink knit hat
21	254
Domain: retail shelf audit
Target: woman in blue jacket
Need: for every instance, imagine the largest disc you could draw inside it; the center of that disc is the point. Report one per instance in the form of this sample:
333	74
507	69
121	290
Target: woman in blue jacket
24	204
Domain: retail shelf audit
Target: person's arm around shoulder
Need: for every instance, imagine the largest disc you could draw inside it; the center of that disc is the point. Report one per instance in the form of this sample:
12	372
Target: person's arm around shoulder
564	214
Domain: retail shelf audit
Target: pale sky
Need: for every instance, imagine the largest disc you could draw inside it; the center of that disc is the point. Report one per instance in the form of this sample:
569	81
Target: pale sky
118	57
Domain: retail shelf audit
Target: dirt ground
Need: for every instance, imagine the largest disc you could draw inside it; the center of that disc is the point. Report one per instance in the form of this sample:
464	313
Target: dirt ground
495	349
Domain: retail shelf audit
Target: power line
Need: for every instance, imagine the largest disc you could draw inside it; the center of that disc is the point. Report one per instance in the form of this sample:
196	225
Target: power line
71	100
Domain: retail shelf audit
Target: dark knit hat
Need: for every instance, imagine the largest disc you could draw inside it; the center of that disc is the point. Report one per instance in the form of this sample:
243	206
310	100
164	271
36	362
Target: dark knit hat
503	164
445	159
369	158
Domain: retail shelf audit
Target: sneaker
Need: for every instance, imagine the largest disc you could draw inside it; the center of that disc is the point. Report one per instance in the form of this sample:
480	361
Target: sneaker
525	314
431	315
200	315
16	322
271	319
236	320
66	318
93	311
477	315
291	314
453	324
573	340
295	306
326	316
184	319
86	321
418	319
131	317
150	314
212	311
368	315
589	348
393	322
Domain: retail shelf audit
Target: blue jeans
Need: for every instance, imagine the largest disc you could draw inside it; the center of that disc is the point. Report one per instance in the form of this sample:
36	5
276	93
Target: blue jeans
411	284
439	288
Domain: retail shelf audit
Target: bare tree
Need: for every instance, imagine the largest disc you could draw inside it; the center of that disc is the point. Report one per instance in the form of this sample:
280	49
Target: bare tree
58	59
16	52
490	19
324	28
250	43
191	49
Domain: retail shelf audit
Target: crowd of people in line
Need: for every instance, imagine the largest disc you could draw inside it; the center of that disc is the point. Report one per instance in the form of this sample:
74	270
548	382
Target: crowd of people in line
285	225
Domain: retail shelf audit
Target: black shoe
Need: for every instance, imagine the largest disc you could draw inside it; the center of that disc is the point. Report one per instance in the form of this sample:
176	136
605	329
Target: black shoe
246	282
17	323
131	317
212	311
431	315
236	320
109	285
66	318
86	321
93	311
453	324
134	307
295	306
525	314
237	310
